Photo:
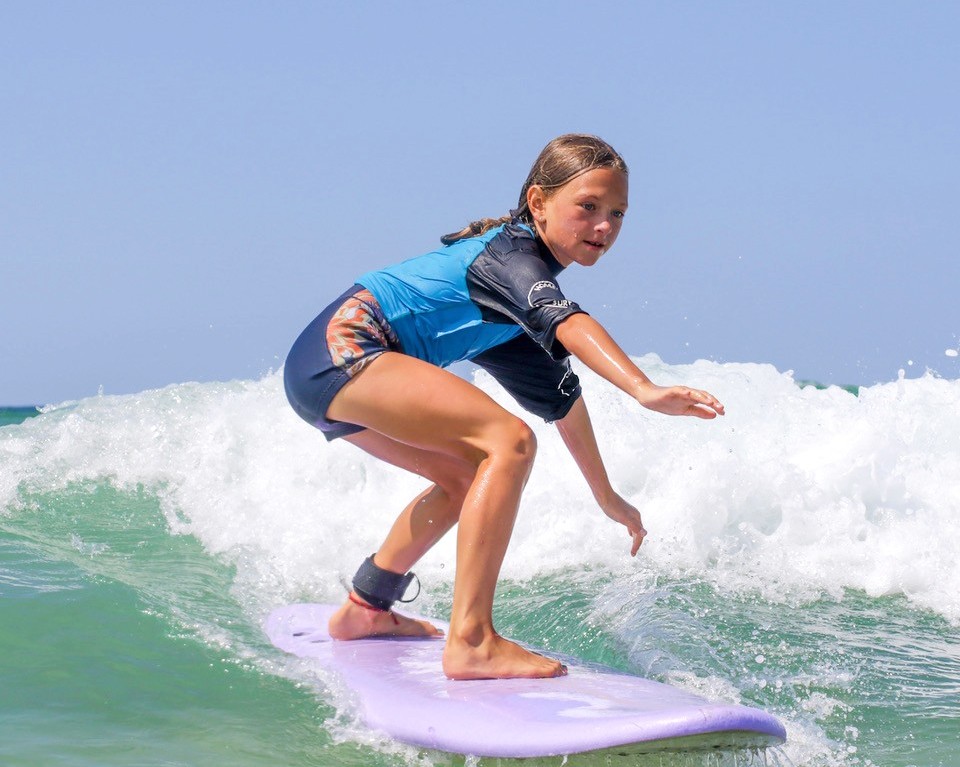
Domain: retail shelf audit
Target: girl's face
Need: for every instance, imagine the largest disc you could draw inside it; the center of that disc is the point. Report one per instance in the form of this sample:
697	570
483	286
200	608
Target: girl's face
580	221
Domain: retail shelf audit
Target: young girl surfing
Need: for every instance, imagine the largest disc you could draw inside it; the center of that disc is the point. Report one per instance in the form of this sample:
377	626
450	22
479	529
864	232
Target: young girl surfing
370	370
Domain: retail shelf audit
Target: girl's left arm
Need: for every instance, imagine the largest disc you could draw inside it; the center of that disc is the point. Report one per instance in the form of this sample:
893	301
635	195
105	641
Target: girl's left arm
588	341
577	432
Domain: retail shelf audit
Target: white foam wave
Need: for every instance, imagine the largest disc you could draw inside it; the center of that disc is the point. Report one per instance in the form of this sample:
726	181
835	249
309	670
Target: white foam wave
794	493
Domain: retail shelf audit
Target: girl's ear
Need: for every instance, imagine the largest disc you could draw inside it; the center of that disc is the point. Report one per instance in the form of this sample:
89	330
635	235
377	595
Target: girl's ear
536	200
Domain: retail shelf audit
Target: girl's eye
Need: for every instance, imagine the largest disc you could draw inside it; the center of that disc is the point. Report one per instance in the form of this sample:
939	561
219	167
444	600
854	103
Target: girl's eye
618	214
589	206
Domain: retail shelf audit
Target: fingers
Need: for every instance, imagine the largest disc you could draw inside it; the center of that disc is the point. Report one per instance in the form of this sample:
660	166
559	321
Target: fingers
638	536
705	405
619	510
701	412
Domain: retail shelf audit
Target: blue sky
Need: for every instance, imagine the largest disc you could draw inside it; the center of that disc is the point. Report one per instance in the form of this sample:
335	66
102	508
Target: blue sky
185	185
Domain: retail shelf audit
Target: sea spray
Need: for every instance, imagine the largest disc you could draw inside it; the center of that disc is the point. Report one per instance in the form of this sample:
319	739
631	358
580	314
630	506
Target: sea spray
795	492
810	527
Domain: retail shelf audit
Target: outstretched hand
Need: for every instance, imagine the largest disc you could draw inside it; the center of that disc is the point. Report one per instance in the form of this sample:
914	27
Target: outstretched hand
620	511
680	400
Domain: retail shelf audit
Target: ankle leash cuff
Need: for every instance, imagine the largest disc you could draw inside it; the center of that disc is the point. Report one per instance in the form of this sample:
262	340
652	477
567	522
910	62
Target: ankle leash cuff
381	588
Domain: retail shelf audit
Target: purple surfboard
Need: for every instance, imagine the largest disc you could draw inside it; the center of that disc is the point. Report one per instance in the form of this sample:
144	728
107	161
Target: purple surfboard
401	691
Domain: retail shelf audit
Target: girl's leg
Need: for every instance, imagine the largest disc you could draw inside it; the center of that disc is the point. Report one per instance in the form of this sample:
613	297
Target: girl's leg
432	513
418	405
420	525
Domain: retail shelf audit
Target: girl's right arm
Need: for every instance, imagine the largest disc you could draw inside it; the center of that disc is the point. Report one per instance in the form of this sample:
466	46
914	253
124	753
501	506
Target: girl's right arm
577	433
588	341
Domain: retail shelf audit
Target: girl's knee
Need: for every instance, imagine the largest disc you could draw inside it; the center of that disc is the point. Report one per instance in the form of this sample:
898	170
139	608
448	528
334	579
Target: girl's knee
515	441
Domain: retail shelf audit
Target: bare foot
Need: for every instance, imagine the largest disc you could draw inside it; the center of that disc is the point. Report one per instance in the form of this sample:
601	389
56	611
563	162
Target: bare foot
353	621
494	657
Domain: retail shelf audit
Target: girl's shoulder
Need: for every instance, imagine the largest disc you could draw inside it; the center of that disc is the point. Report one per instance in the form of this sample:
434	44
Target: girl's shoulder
513	238
517	247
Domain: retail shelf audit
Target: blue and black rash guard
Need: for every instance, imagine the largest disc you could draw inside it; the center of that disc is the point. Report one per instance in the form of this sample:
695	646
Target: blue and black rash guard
492	299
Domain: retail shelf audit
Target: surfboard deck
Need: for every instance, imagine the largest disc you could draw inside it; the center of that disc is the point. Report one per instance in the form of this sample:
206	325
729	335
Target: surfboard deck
401	691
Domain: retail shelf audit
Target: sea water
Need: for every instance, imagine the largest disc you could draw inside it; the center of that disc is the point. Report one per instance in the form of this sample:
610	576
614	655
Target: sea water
802	558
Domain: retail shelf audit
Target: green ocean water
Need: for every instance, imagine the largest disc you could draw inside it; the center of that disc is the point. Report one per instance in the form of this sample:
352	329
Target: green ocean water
14	415
128	640
107	660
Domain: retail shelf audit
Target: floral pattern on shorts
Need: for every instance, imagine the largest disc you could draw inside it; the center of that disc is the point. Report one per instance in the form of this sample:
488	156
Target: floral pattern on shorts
358	333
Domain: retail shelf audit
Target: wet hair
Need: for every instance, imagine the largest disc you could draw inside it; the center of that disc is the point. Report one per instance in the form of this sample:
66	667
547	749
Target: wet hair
562	160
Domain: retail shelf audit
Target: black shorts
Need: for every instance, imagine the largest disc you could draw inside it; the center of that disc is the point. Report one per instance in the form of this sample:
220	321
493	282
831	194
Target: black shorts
343	339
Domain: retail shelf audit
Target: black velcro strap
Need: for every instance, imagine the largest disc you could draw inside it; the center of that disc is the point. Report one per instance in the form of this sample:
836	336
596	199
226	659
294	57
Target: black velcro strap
381	588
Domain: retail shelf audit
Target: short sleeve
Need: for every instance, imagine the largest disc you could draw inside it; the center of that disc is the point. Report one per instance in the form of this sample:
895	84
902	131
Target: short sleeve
511	282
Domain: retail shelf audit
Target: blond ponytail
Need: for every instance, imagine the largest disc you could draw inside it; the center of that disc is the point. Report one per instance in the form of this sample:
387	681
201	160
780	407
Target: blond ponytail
475	229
